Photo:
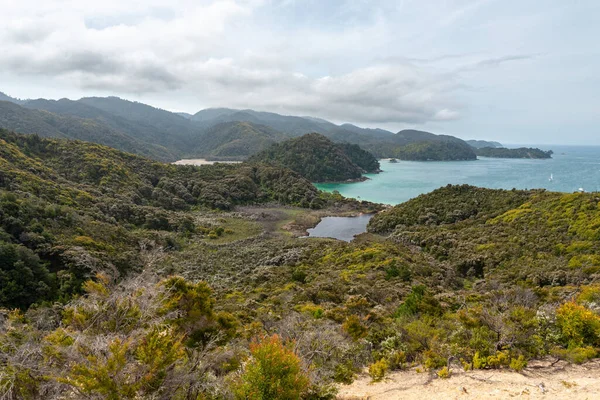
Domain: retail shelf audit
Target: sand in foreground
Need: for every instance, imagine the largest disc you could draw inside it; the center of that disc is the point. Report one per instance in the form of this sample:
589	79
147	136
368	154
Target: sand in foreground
540	380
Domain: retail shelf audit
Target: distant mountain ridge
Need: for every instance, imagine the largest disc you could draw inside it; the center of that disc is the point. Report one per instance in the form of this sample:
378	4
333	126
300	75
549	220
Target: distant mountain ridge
214	132
236	140
479	144
5	97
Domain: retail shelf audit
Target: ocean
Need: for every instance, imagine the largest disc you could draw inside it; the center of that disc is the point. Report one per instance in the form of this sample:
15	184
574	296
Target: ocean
571	168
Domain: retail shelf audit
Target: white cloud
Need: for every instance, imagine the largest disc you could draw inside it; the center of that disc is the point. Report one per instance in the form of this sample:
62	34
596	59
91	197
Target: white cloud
215	49
379	62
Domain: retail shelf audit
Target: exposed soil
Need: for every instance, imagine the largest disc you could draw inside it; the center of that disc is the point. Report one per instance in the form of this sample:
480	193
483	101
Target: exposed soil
540	380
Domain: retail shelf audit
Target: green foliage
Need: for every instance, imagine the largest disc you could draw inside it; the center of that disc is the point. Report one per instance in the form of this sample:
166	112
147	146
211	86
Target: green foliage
577	355
448	205
24	278
355	328
193	305
444	373
378	370
518	364
579	326
273	372
419	302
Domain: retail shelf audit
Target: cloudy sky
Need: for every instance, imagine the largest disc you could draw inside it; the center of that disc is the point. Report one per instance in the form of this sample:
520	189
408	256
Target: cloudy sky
518	71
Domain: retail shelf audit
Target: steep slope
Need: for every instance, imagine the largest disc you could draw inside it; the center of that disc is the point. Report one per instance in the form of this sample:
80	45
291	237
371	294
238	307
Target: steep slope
236	140
50	124
158	126
319	159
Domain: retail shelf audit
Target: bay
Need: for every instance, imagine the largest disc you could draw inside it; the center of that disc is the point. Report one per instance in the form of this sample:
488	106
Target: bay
571	168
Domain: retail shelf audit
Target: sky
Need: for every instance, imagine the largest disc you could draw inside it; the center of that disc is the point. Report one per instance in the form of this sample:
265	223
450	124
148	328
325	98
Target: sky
517	71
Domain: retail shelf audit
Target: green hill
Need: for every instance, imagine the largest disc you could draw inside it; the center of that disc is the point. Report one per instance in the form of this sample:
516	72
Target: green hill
236	140
536	238
88	127
522	152
65	200
141	122
434	151
319	159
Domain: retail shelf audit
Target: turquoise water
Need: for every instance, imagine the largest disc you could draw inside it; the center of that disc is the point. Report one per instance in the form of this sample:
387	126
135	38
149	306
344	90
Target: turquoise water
572	167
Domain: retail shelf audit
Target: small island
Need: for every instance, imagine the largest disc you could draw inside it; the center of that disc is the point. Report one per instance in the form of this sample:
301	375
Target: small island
318	159
521	152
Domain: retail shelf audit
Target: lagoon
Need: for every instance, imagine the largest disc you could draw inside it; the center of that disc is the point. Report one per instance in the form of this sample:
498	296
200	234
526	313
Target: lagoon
571	168
341	228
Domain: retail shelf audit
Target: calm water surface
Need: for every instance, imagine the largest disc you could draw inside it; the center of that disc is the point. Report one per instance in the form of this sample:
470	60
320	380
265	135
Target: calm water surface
572	167
342	228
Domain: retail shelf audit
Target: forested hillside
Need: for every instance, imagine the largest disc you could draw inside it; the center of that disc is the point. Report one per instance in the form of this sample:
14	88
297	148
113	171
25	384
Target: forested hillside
236	140
64	201
82	123
319	159
521	152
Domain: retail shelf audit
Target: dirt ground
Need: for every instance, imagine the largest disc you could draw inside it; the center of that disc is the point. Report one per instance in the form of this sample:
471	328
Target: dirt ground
540	380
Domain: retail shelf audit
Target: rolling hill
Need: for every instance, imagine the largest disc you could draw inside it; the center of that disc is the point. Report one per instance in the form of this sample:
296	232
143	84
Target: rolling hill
319	159
236	140
96	130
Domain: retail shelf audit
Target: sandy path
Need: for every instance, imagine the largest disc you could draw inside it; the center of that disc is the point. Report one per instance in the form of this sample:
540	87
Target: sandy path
539	380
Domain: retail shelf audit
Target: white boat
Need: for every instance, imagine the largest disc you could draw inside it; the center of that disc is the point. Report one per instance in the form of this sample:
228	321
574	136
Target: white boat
551	178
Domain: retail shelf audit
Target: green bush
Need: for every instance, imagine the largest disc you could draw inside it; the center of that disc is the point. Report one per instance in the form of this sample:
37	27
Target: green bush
444	373
354	327
576	355
273	372
378	370
518	364
579	326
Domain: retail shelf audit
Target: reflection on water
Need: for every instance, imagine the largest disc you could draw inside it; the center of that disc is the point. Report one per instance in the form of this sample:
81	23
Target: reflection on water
342	228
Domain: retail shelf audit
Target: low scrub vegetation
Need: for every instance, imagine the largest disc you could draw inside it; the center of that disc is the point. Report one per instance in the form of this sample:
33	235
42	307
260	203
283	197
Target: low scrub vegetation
111	291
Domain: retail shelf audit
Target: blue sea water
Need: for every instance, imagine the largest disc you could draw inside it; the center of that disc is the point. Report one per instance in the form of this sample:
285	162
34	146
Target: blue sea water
572	168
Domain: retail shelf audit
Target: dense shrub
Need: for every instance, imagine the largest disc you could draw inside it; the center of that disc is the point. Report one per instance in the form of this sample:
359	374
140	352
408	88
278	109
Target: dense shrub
273	372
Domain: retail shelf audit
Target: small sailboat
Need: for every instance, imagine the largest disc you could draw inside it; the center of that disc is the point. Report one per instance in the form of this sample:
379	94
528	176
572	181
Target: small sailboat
551	178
